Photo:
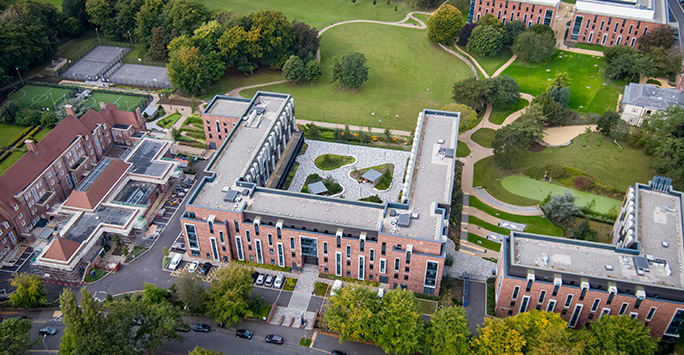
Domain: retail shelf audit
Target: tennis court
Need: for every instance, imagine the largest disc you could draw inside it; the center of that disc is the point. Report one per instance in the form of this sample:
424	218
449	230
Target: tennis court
141	75
96	63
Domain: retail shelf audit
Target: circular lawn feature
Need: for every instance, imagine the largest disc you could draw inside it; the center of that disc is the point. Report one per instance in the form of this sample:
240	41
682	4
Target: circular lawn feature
333	161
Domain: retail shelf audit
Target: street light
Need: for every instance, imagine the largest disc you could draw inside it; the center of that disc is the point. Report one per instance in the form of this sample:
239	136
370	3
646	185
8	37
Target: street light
131	38
20	79
154	81
148	86
98	36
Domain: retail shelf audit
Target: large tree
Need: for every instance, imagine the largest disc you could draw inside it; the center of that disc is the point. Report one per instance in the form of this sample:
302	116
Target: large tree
496	338
192	72
400	328
276	37
185	15
661	36
306	41
229	293
607	121
293	69
448	332
101	14
351	313
511	31
464	34
485	40
663	139
471	92
667	62
468	118
444	24
15	336
29	290
312	71
624	62
157	42
504	92
124	20
561	208
240	48
202	351
535	47
620	335
353	70
191	292
512	141
148	17
75	9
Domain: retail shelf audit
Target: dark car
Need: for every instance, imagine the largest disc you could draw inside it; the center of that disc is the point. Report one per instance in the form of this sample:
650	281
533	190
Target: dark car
201	327
205	269
243	333
255	275
47	331
338	352
275	339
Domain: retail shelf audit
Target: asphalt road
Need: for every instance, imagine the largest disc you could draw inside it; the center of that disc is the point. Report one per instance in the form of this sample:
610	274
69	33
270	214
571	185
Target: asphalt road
676	10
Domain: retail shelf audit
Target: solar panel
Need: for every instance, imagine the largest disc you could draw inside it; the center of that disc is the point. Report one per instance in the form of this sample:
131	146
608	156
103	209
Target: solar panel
90	179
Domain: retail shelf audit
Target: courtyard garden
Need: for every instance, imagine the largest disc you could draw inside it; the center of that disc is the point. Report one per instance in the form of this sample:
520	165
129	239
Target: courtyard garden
401	76
590	91
333	161
385	181
333	186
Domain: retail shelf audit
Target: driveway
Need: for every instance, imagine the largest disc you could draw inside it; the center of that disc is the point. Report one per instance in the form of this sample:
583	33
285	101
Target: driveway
477	305
676	10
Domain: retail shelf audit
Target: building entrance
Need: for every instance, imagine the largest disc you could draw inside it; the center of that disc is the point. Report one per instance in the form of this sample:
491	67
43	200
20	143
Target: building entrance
309	250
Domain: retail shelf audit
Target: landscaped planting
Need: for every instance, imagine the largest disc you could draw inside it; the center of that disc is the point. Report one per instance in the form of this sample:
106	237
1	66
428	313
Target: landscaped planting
169	120
333	161
499	116
535	224
332	186
387	171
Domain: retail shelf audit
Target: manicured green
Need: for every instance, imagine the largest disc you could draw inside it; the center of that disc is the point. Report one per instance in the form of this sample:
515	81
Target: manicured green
491	64
333	161
263	266
38	97
290	284
499	116
305	342
538	190
99	273
169	120
10	160
587	90
426	306
487	175
320	288
234	79
484	242
535	224
41	134
317	13
590	46
462	150
484	137
122	101
8	132
488	226
402	80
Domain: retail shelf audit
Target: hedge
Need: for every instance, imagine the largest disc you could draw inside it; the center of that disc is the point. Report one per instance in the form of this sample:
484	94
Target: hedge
20	136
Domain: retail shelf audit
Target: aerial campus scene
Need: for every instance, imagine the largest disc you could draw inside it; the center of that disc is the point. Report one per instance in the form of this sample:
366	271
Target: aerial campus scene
341	176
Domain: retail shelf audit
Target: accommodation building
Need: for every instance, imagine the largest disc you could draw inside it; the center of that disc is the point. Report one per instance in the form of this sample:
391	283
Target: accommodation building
233	216
639	275
642	100
530	12
53	167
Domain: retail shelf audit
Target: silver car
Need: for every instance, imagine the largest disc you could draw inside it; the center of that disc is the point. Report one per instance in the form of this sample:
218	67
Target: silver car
269	281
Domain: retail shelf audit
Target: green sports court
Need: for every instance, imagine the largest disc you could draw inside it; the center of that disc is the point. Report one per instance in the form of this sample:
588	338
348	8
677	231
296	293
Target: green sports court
40	97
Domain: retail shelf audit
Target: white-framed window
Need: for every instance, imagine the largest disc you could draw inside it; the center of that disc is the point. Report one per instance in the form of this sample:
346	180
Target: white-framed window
281	256
568	301
575	315
604	312
524	304
260	256
397	264
5	224
371	255
362	267
292	243
596	304
16	207
383	266
516	291
651	313
270	239
238	245
623	308
551	306
633	315
214	249
325	248
542	296
348	251
338	263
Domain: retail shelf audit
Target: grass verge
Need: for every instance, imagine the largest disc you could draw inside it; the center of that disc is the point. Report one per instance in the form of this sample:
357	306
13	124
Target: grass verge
484	137
462	150
169	120
499	116
535	224
488	226
99	273
484	242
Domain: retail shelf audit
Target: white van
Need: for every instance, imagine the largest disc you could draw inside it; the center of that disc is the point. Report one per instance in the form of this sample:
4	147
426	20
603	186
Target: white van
175	261
336	285
278	283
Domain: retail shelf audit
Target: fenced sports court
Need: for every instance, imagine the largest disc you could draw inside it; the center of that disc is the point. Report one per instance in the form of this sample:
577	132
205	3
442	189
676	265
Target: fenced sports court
96	63
40	97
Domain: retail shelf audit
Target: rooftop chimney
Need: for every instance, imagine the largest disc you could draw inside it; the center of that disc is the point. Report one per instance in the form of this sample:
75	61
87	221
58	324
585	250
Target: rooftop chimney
31	145
139	116
103	106
69	110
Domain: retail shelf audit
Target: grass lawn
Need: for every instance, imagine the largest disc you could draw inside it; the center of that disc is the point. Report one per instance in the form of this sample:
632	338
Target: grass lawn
591	46
8	132
122	101
40	134
491	64
488	226
587	90
37	97
55	3
320	288
99	273
484	242
169	120
333	161
535	224
317	13
305	342
484	137
488	175
290	284
10	160
462	150
538	190
401	83
499	116
234	79
426	306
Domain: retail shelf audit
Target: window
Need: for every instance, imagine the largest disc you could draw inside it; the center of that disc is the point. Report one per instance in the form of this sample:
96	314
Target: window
339	241
256	228
623	309
551	306
525	302
542	295
516	290
362	244
237	226
651	313
431	274
634	315
191	234
605	37
604	312
214	248
568	301
575	315
281	257
238	244
248	234
383	266
338	263
325	248
221	238
260	257
371	257
270	239
362	265
384	247
211	227
279	232
348	251
292	243
610	297
675	326
396	264
595	305
575	28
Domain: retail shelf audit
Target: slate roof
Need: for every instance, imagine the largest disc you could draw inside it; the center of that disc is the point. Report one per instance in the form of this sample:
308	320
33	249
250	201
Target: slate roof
372	175
645	95
317	188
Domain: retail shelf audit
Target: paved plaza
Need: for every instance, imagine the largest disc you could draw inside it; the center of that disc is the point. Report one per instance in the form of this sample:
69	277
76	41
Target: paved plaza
366	157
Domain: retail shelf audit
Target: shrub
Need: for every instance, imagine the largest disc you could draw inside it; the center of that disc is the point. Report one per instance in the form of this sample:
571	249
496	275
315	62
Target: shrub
583	183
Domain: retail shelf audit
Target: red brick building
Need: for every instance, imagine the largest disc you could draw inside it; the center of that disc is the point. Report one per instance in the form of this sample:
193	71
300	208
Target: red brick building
232	216
530	12
53	167
610	23
220	116
639	275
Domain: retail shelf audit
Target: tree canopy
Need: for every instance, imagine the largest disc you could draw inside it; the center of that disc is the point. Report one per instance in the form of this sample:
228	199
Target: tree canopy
444	24
351	313
620	335
29	291
351	71
228	294
661	36
468	117
486	40
535	47
504	92
624	62
15	336
448	332
293	69
512	141
561	208
471	92
663	139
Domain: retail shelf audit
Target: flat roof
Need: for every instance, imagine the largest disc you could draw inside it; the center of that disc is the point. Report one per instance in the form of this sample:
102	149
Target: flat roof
227	106
135	193
90	179
88	222
238	150
655	11
144	159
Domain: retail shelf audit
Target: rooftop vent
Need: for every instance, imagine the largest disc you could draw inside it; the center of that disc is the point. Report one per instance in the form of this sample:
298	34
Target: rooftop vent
393	213
231	196
440	141
404	220
609	267
665	244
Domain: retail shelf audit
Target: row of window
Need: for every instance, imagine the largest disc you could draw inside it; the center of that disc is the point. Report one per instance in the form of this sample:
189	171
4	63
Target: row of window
548	16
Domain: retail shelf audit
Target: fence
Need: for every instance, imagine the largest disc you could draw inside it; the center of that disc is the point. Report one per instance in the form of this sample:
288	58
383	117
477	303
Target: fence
74	59
149	84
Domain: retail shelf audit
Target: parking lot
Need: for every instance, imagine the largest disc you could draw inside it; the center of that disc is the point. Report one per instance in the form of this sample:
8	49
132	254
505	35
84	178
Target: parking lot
166	212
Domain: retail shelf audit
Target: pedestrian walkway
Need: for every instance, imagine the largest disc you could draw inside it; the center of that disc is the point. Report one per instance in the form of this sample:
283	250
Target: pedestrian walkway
395	132
296	311
483	195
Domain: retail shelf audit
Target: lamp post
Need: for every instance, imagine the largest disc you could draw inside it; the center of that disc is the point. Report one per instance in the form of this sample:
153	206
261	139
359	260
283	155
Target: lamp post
148	86
20	79
131	38
98	35
154	83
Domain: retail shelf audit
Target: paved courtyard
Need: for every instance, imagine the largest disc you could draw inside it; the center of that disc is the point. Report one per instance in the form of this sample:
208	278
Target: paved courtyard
366	157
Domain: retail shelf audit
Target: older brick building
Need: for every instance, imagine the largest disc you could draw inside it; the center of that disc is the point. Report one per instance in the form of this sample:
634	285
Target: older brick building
639	275
530	12
53	167
232	216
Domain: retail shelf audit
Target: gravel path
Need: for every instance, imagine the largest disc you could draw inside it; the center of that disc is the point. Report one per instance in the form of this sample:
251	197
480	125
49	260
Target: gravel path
365	158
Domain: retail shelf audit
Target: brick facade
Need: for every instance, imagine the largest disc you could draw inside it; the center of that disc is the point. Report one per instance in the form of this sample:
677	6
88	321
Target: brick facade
607	31
217	128
507	11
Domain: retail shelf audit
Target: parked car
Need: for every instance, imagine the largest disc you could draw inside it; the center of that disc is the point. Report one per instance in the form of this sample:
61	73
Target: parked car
338	352
193	267
201	327
260	279
255	275
275	339
47	331
178	246
175	261
243	333
269	281
205	268
279	280
336	285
